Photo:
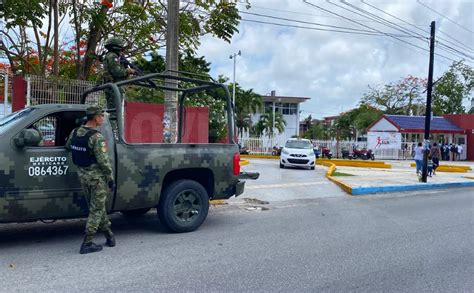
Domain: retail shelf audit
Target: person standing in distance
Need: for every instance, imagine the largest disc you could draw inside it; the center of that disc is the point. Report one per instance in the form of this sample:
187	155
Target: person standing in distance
114	71
90	154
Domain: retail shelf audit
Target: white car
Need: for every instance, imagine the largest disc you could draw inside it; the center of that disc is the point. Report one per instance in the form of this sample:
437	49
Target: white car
298	152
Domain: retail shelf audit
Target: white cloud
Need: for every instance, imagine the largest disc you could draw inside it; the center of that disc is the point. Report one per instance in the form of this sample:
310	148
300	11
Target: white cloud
332	68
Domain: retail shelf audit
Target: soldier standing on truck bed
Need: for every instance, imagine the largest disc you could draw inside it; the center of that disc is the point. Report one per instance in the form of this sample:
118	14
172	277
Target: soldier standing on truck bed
90	154
114	71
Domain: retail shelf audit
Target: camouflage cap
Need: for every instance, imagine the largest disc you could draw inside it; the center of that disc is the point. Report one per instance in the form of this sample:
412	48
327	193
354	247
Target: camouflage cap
94	110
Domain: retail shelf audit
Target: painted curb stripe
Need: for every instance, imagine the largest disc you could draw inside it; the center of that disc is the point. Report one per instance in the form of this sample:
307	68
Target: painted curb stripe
395	188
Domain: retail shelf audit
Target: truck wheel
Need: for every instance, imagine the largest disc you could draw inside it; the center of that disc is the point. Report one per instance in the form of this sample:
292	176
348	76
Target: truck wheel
135	213
183	206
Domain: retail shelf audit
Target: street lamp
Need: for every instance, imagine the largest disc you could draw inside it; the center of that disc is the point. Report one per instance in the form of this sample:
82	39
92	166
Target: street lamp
233	56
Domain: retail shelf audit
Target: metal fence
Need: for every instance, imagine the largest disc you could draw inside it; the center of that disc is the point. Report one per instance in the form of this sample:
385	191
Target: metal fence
46	90
5	92
264	146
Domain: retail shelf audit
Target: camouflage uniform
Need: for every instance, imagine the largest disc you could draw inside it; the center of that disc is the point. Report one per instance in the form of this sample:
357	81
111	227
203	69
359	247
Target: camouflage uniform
94	180
113	70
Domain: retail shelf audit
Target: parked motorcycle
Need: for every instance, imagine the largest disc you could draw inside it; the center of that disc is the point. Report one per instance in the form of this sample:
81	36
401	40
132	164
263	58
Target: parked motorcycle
243	150
326	153
346	154
363	154
276	151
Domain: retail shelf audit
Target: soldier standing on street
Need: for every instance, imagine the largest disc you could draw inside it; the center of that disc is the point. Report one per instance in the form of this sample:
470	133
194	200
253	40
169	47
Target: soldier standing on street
90	154
114	71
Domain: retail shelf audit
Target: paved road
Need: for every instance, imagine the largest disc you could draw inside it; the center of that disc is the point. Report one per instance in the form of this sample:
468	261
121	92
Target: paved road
398	242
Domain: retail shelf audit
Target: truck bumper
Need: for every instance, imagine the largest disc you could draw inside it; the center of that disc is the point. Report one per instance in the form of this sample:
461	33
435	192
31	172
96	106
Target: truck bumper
239	188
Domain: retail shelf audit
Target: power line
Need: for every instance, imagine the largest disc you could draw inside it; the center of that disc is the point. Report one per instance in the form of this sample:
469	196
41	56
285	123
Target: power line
313	23
313	28
429	8
395	26
461	45
346	18
378	19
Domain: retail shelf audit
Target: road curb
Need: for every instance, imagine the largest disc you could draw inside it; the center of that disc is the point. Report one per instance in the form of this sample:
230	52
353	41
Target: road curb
359	164
260	157
398	188
449	168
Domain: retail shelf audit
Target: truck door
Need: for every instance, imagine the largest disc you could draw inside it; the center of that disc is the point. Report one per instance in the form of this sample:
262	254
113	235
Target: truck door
47	183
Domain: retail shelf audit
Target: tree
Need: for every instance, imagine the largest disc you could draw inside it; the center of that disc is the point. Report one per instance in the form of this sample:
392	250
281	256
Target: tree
401	97
247	102
452	88
141	23
266	123
356	121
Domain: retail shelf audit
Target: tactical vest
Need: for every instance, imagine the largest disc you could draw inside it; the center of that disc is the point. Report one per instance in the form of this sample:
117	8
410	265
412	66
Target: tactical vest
82	154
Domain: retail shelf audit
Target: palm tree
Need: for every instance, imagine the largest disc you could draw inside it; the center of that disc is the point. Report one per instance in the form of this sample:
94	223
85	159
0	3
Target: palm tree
266	121
246	103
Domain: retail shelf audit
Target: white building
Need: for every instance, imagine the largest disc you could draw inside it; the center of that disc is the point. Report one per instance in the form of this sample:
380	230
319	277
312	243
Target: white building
289	107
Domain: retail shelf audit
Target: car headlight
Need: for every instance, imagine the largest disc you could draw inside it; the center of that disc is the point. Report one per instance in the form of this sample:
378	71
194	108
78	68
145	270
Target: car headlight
285	152
311	154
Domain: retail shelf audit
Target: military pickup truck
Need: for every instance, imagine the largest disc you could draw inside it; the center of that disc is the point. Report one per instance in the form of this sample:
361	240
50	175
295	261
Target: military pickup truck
38	180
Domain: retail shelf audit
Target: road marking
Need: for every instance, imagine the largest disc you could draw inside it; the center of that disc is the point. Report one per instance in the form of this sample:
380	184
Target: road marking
285	185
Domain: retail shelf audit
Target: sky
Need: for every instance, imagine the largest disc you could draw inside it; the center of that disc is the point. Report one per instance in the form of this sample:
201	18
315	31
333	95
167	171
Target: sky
334	69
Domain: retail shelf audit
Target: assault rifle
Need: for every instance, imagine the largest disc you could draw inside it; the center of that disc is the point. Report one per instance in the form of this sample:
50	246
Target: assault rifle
127	64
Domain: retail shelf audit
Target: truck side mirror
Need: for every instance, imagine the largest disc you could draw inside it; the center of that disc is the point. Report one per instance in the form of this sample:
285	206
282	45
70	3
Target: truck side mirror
28	137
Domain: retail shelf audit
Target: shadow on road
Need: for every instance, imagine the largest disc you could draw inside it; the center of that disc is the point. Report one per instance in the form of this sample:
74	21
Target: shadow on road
38	232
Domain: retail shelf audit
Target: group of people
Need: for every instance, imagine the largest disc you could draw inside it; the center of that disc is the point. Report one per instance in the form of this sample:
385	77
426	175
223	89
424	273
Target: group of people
434	157
436	153
455	150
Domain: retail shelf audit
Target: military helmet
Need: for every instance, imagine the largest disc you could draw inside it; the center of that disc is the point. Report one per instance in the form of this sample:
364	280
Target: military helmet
114	43
94	110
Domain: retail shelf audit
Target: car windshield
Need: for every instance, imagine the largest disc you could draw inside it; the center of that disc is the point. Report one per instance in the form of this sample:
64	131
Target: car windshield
11	119
298	144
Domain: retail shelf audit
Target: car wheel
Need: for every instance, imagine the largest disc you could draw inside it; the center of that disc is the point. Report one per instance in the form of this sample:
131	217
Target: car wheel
135	213
183	206
282	166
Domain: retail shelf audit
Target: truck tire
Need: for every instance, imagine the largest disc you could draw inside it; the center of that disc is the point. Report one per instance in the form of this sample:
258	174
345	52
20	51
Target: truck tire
183	206
135	213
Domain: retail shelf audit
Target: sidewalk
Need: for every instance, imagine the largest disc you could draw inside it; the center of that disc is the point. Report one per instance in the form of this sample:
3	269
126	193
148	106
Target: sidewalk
401	177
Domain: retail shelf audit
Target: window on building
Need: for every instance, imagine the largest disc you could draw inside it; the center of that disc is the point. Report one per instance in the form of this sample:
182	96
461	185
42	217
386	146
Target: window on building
289	108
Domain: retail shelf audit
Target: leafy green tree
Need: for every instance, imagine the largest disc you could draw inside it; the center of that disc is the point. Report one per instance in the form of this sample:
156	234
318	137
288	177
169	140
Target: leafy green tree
452	88
141	23
401	97
356	121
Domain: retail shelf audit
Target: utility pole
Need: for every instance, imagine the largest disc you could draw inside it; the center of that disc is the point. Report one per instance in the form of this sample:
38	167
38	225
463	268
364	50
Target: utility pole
234	56
170	117
424	172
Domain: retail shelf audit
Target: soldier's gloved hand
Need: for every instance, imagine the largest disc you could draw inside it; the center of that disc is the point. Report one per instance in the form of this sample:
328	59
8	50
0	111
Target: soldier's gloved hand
111	185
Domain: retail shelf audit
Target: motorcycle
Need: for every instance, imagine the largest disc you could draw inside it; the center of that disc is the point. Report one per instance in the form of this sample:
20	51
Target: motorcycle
276	151
363	154
326	153
243	150
345	154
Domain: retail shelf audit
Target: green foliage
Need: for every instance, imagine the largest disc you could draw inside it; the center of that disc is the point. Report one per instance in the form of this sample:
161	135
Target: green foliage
141	23
247	102
23	13
452	88
265	124
403	97
356	121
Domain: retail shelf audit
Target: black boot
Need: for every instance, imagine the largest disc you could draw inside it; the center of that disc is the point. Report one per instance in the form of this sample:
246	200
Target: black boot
110	238
88	246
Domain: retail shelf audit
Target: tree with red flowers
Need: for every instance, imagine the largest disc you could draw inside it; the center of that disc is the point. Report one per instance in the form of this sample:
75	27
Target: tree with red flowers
32	32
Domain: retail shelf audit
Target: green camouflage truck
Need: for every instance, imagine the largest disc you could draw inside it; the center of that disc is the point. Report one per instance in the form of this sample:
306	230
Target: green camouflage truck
38	180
